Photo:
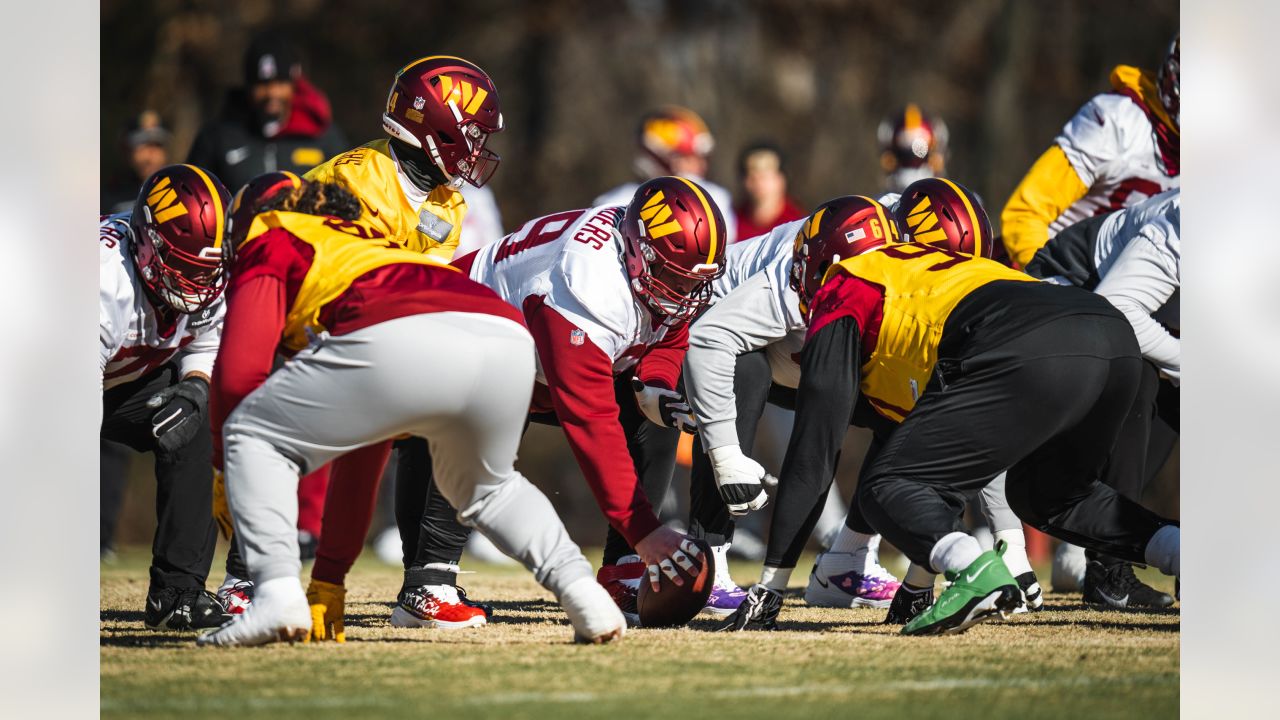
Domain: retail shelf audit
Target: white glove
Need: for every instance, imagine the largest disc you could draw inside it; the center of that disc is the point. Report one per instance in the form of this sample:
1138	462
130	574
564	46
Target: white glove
664	407
740	479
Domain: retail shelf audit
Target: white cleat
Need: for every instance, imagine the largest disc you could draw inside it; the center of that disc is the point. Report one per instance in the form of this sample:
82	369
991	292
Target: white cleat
279	613
594	615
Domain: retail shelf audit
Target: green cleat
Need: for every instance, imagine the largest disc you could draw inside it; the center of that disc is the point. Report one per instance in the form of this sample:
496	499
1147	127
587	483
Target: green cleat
982	590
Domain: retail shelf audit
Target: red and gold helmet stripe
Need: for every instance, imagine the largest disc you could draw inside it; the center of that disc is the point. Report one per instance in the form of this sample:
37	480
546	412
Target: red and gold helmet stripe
979	242
710	215
219	210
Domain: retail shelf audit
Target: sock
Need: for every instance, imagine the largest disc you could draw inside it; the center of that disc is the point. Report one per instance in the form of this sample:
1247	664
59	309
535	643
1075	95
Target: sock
856	544
1163	550
1015	557
954	552
721	554
848	541
919	577
775	578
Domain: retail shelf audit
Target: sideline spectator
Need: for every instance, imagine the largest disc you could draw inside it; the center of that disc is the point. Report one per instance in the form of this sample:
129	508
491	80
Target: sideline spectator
145	147
277	121
765	203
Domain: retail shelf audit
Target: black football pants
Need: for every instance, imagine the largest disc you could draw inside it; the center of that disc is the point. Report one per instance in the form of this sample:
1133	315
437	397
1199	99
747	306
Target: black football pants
429	527
796	510
1050	405
182	550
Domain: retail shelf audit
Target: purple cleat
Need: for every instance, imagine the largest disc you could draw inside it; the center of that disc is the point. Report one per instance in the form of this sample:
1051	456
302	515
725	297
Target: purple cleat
828	587
726	595
724	600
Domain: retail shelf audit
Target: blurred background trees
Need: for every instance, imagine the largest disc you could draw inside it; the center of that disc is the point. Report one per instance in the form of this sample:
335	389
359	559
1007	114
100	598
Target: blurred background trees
814	76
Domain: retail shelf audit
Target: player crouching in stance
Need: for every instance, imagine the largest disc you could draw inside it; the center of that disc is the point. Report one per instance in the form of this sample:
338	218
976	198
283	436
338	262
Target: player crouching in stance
608	294
361	318
926	334
161	314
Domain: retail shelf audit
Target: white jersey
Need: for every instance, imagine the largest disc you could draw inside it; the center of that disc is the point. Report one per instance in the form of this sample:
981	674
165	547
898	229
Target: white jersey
573	261
1112	147
482	225
771	254
1139	258
132	341
622	195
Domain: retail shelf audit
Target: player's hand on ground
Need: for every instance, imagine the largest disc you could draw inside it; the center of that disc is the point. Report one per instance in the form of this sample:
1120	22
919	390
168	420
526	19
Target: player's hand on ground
179	412
664	550
760	609
664	407
740	479
221	510
327	603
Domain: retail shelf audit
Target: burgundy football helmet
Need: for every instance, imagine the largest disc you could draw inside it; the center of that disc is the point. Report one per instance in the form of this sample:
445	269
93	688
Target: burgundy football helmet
913	146
837	229
252	196
178	226
667	133
448	107
1167	80
945	214
673	246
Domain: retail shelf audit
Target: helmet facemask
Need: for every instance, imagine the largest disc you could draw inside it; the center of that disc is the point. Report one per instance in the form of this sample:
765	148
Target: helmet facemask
670	291
478	164
186	283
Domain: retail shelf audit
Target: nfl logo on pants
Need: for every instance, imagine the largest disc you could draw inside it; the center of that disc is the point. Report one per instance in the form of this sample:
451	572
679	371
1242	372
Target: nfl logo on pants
577	337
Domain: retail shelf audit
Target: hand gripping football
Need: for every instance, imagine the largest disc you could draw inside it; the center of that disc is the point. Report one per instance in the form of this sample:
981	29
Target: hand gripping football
675	606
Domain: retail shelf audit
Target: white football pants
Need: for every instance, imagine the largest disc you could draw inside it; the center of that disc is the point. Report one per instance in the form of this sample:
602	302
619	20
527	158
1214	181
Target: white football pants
461	380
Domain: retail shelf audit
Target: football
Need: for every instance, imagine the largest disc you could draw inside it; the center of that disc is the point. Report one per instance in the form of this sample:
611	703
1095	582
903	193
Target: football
675	605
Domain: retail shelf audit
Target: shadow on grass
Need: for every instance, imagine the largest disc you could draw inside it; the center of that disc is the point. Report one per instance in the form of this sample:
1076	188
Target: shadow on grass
147	639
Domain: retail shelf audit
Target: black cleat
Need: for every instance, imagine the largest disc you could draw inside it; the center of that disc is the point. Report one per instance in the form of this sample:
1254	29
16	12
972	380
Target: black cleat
907	604
1117	586
760	609
1033	597
170	608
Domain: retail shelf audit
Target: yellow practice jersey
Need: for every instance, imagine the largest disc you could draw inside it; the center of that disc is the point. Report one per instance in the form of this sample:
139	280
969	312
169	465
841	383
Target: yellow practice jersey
340	252
433	227
921	286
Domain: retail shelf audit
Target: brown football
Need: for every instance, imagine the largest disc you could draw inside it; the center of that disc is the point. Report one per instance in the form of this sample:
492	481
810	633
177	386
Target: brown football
672	605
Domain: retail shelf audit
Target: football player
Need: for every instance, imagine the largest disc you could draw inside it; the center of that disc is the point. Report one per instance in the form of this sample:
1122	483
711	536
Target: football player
1043	392
741	355
1120	148
439	115
608	293
913	146
674	140
358	314
160	321
1132	257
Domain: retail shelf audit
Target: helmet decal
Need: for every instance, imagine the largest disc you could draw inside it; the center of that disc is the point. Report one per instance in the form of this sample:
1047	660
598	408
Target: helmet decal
162	202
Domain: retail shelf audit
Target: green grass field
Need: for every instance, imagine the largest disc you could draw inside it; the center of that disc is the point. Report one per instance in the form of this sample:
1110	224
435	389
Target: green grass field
1065	662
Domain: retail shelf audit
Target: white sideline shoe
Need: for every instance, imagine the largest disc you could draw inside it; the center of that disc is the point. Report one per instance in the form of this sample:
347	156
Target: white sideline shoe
279	613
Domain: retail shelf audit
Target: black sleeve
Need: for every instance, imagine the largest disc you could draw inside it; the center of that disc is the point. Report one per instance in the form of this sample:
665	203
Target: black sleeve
204	153
825	400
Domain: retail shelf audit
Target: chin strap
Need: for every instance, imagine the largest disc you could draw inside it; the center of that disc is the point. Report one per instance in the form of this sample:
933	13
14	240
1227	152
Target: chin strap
422	172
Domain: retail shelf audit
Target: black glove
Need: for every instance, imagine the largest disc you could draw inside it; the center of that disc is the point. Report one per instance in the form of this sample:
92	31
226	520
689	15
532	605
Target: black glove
179	412
760	608
664	407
